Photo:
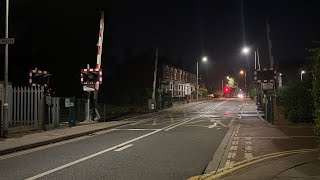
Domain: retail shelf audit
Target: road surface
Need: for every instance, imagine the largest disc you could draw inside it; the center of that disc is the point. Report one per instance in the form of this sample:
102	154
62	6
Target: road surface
171	144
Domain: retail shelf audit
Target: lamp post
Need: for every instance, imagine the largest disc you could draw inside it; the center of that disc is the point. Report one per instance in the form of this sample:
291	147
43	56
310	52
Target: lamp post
5	121
245	80
302	72
204	59
246	51
223	83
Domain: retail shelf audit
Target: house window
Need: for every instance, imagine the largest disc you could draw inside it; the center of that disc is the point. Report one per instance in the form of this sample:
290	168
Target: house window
175	74
171	87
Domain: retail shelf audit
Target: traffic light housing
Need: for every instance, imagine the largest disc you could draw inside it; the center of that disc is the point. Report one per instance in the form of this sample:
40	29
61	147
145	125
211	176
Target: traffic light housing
226	89
39	78
91	76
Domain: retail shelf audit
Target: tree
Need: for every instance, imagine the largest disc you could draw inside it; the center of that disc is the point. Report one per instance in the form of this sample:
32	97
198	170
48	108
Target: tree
315	58
231	82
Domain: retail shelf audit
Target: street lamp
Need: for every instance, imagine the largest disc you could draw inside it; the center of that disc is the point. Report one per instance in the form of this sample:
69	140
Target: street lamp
204	59
246	51
302	72
245	78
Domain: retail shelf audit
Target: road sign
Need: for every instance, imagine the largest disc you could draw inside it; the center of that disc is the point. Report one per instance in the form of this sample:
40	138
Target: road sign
67	102
7	41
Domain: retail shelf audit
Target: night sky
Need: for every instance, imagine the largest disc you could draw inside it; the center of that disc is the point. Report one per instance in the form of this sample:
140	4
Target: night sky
61	36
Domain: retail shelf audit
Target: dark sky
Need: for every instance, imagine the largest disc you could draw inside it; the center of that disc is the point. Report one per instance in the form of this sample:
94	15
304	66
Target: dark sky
61	36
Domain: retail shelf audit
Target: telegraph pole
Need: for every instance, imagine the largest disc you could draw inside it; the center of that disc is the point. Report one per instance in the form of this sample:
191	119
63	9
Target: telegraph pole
273	98
4	130
155	75
269	43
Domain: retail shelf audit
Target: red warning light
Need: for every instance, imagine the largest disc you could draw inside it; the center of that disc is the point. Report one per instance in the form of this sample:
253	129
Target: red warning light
226	89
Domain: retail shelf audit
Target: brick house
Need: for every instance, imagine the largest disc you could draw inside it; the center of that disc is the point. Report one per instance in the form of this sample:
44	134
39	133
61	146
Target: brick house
176	81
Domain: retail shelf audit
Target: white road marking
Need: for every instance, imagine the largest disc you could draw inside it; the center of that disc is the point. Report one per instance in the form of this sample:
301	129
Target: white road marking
190	125
219	122
233	148
197	121
229	163
124	147
248	148
186	121
212	126
90	156
232	155
136	129
248	156
113	148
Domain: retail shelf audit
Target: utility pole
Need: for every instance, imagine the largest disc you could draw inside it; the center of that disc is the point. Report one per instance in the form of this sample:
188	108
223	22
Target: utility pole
4	129
197	85
222	84
155	75
273	98
269	43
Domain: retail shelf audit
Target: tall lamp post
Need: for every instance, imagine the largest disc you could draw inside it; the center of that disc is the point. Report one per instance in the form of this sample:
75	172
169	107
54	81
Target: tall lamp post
246	51
302	72
245	80
204	59
222	84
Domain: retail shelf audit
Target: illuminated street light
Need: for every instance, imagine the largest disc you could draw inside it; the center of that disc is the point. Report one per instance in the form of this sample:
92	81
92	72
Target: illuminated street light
204	59
245	50
245	79
302	72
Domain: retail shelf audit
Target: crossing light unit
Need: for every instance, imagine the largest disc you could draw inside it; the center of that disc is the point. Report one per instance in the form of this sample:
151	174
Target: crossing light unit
38	78
226	89
91	77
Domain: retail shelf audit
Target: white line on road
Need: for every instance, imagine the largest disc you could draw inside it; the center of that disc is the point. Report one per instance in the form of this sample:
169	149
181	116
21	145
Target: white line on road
136	129
124	147
212	126
184	122
90	156
111	148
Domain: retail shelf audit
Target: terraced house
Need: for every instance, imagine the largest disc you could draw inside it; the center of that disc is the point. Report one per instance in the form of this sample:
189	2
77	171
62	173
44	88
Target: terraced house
177	81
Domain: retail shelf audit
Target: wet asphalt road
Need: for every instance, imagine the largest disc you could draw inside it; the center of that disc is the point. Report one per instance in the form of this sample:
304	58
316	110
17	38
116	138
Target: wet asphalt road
171	144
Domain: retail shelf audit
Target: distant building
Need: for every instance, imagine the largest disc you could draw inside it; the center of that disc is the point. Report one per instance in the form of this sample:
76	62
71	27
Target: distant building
176	81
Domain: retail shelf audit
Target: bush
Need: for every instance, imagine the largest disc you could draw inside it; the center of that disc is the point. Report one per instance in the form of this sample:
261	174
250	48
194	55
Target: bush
297	103
218	94
315	57
253	92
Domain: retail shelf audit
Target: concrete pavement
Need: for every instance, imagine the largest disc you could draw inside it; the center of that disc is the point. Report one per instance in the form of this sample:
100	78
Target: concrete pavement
258	150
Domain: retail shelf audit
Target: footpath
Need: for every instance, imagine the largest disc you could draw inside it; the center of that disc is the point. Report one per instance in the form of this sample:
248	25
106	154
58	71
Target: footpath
258	150
33	140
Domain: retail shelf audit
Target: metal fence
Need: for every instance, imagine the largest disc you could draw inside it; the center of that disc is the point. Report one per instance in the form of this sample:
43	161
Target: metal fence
79	110
26	106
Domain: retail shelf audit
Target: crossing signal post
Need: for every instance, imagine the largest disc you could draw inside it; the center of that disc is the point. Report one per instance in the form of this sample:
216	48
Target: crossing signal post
91	78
